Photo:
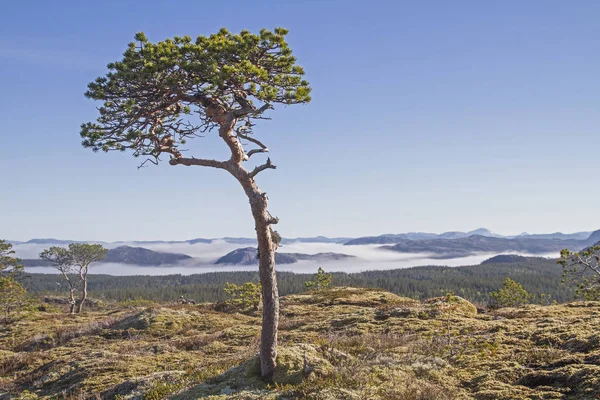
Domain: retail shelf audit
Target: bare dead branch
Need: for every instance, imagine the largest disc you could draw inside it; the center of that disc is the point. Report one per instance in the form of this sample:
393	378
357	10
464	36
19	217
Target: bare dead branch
147	160
254	151
272	220
260	168
588	264
262	149
253	140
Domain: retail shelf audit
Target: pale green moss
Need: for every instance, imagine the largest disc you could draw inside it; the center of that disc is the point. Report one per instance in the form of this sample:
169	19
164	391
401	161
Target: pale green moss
454	305
340	343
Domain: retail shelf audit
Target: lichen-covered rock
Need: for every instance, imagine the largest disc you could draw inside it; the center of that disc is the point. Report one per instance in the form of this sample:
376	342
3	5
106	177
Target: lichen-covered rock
299	362
454	304
362	297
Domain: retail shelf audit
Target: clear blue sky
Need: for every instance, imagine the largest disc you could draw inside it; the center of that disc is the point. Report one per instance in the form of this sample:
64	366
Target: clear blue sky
426	116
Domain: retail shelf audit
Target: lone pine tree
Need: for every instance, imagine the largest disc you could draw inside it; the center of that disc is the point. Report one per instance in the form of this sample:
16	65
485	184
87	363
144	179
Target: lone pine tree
62	260
162	94
84	254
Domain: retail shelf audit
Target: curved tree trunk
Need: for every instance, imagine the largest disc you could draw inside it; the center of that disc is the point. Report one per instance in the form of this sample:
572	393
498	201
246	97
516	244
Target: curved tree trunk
270	293
263	220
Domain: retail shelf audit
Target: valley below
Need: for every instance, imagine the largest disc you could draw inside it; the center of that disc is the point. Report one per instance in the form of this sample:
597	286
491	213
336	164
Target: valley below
306	255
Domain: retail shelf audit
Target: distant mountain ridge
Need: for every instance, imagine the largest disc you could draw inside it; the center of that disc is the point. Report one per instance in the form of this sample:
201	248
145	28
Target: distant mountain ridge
463	247
234	240
55	242
505	259
316	239
247	256
142	256
594	238
388	238
397	238
419	236
557	235
448	245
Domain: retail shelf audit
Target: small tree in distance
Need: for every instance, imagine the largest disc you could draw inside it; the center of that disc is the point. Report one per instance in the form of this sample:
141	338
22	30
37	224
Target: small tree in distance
162	94
8	262
82	255
512	294
321	282
62	260
12	293
243	296
583	271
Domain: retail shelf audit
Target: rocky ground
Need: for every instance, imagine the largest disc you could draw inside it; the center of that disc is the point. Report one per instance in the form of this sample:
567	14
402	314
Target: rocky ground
344	343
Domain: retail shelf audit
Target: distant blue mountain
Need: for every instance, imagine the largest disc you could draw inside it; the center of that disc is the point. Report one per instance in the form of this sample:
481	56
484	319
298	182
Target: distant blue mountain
463	247
385	239
317	239
400	237
59	242
50	241
236	240
594	238
557	235
199	240
452	235
247	256
505	259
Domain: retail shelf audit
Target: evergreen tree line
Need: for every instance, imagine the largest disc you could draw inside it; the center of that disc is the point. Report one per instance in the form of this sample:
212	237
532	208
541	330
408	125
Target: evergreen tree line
537	275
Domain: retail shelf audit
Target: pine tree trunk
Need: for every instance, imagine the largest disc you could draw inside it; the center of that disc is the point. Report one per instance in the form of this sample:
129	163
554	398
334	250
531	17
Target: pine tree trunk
268	280
83	295
270	298
72	301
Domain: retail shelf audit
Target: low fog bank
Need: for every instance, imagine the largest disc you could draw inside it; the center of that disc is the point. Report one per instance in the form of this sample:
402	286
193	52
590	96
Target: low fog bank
368	257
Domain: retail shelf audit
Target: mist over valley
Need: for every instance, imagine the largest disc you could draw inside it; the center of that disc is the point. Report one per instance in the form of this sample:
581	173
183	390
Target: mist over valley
306	255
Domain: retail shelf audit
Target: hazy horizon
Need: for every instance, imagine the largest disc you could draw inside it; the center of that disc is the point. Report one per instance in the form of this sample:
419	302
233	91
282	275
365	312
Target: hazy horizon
209	237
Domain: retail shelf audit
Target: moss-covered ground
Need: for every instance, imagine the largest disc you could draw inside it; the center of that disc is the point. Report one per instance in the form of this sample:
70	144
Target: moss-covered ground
343	343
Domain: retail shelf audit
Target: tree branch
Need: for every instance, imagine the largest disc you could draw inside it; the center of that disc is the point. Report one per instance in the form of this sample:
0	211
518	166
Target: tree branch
247	107
263	148
588	265
199	161
260	168
271	219
254	151
142	165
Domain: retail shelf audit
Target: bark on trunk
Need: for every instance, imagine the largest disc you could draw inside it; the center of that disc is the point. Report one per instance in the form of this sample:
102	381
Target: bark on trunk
270	293
72	301
83	292
72	289
270	298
